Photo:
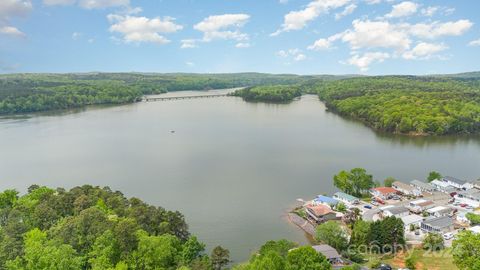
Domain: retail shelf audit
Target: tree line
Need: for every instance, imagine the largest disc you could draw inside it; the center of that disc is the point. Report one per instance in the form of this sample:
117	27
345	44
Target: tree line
407	104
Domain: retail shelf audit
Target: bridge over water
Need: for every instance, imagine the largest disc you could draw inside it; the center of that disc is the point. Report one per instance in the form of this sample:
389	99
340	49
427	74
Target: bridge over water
160	98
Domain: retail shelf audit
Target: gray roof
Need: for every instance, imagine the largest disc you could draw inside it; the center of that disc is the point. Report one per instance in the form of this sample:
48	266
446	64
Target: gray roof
421	184
345	196
454	180
397	210
440	222
402	185
327	251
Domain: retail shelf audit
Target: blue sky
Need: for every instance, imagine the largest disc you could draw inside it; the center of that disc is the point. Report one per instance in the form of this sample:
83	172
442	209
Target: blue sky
275	36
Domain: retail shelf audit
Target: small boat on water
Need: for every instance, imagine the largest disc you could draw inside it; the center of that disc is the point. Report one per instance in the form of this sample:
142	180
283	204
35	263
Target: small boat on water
172	131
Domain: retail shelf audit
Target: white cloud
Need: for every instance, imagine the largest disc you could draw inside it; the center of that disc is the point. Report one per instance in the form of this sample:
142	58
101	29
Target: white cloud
474	42
324	43
376	34
76	35
188	43
11	31
59	2
403	9
296	20
347	11
283	1
14	8
429	11
190	64
10	9
437	29
293	54
424	50
224	26
373	2
89	4
141	29
363	62
94	4
242	45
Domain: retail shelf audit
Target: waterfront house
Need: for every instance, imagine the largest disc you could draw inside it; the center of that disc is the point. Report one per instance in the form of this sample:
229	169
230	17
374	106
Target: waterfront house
394	211
346	198
405	189
383	193
441	186
440	211
422	186
321	199
437	225
470	197
409	220
476	184
320	213
418	206
457	183
330	253
462	217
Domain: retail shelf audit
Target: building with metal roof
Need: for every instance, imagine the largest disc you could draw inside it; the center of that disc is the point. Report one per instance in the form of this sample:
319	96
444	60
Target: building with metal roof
437	225
346	198
422	186
329	252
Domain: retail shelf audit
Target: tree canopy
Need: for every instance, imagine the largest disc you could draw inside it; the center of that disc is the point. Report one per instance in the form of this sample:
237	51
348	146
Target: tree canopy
356	182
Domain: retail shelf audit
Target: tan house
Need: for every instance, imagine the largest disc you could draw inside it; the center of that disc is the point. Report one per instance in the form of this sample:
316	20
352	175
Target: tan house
320	213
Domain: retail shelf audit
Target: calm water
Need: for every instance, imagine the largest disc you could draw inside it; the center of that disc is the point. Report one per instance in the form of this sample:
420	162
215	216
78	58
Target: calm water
231	167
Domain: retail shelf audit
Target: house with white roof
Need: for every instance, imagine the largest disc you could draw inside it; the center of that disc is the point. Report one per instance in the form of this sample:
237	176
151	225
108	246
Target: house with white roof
470	197
475	229
440	211
441	185
437	225
346	198
406	189
457	183
409	220
462	217
418	206
422	186
394	211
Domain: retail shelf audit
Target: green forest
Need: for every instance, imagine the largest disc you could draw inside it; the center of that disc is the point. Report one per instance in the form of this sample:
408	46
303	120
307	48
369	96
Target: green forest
407	104
96	228
269	93
25	93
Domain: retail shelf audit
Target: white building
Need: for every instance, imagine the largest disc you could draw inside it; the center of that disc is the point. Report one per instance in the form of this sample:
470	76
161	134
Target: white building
346	198
406	189
475	229
422	186
420	205
441	185
395	211
414	220
440	211
462	217
457	183
470	197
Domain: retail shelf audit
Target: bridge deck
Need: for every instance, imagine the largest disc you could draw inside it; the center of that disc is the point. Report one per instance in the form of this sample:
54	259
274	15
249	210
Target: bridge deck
148	99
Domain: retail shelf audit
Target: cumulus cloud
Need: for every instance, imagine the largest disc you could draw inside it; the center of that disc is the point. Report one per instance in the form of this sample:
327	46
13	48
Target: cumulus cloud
376	34
89	4
188	43
346	11
366	35
296	20
363	61
224	26
11	9
11	31
429	11
292	54
242	45
437	29
403	9
474	42
424	50
58	2
142	29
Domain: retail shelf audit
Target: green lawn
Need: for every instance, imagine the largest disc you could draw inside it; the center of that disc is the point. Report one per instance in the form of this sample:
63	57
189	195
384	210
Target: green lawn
441	260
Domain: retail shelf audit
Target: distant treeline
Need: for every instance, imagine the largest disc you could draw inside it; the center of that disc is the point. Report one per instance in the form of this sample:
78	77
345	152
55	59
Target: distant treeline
269	93
407	105
23	93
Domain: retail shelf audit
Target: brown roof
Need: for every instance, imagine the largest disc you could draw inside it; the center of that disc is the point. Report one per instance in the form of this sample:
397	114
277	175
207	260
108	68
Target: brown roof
320	210
385	190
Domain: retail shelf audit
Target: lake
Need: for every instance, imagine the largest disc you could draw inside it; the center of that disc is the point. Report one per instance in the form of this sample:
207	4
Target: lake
233	168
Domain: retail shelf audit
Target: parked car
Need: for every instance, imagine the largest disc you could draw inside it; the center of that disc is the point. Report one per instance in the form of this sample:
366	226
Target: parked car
385	267
447	236
367	206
